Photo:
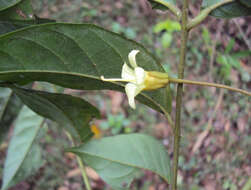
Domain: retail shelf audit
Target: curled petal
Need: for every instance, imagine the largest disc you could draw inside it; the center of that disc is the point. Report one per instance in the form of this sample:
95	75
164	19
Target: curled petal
127	73
140	75
132	58
132	90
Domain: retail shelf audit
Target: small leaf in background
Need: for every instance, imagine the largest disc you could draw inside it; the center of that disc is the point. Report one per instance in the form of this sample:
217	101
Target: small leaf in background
26	129
166	39
71	112
225	69
4	98
229	10
247	185
229	46
168	25
206	36
74	56
117	159
9	108
156	5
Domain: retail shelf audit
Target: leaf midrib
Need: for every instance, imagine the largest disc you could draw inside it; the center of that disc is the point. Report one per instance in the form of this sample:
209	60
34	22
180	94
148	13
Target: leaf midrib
122	163
79	75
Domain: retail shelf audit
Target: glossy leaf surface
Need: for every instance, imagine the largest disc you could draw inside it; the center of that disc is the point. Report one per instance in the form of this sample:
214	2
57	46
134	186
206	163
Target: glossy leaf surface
71	112
74	56
117	159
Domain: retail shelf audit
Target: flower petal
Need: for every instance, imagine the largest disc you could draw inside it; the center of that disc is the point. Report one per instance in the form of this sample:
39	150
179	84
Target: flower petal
132	90
132	58
140	75
127	73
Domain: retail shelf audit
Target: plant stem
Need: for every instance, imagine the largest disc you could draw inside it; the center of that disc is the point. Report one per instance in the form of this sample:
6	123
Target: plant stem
184	35
174	80
81	165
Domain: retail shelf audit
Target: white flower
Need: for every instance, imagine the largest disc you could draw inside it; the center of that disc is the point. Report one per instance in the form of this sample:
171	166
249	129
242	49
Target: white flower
138	79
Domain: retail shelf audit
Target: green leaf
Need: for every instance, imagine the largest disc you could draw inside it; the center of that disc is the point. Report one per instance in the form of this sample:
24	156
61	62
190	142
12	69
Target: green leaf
166	39
26	129
21	11
74	56
247	185
4	98
71	112
5	4
168	25
156	5
19	16
229	10
11	25
117	159
246	2
241	54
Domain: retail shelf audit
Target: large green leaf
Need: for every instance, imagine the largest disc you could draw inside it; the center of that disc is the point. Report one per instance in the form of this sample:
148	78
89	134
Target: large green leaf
5	4
229	10
26	129
71	112
11	25
116	159
74	56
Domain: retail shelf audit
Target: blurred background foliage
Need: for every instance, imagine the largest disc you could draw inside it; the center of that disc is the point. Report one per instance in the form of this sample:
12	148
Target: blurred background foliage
215	151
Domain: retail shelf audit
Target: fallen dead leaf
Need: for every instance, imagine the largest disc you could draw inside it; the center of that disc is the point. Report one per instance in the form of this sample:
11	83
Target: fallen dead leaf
73	173
92	174
227	126
161	130
116	100
63	188
70	155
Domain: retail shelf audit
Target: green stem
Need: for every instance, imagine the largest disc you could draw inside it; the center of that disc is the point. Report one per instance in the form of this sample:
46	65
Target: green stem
179	81
81	165
204	13
181	66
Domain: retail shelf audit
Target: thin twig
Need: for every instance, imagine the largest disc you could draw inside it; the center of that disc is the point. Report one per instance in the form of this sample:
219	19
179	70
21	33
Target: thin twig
199	83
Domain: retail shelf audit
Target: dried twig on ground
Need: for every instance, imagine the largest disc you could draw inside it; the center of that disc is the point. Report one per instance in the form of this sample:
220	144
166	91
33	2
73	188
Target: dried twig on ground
204	134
